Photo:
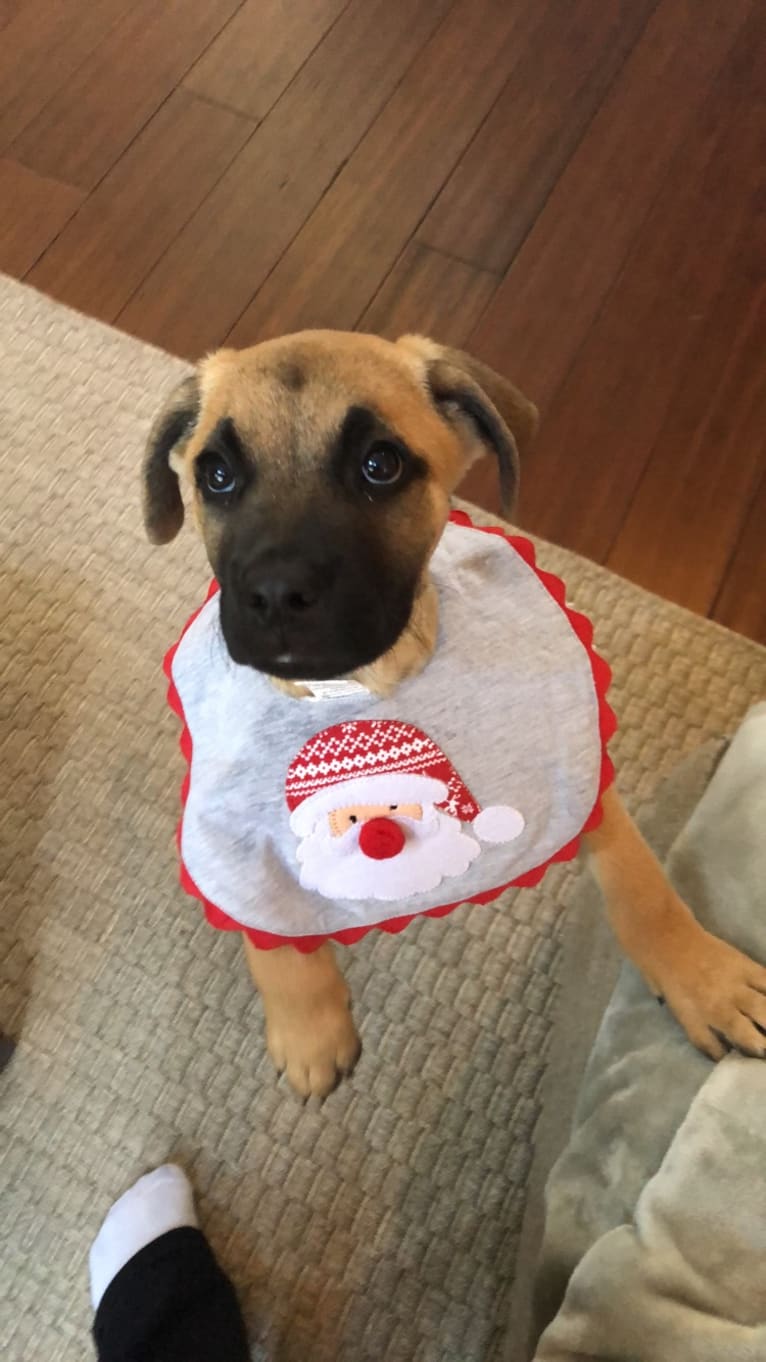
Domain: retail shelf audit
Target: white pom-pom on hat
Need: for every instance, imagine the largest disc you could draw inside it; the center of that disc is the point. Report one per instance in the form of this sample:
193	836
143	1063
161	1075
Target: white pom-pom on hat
498	823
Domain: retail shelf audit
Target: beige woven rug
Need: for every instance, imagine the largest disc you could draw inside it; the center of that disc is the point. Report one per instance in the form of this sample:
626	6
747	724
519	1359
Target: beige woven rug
383	1224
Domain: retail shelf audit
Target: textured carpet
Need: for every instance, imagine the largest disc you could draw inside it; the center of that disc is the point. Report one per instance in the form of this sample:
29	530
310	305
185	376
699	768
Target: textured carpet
385	1223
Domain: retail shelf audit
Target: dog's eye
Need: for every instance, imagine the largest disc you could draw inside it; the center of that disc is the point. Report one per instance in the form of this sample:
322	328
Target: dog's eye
382	465
215	476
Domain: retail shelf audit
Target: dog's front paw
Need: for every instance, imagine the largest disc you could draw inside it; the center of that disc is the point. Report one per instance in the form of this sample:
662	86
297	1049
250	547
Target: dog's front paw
719	996
316	1044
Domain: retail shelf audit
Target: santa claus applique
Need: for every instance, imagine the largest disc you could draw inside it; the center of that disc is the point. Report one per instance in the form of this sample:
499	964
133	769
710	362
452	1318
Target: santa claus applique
307	820
380	813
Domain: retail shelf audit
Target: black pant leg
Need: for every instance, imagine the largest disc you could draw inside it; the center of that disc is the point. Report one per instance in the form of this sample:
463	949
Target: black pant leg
171	1303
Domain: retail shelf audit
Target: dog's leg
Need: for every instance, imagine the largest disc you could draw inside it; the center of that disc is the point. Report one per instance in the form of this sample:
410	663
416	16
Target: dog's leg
717	993
309	1029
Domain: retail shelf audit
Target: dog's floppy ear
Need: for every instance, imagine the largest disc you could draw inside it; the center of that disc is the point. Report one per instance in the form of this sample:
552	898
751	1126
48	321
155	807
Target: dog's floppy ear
487	410
163	505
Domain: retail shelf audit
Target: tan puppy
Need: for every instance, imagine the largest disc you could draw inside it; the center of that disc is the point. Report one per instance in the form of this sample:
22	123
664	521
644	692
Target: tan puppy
320	469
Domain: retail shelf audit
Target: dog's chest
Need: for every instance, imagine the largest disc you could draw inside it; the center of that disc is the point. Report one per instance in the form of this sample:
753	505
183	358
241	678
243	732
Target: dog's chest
307	819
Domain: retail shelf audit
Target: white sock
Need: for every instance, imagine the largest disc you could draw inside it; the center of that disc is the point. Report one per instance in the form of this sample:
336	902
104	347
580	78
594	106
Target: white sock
160	1201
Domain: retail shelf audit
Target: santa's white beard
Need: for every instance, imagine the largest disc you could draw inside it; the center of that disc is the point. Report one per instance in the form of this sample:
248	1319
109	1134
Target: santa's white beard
436	847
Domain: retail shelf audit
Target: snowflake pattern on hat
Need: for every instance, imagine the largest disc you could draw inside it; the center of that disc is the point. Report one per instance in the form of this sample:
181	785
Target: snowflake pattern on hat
368	747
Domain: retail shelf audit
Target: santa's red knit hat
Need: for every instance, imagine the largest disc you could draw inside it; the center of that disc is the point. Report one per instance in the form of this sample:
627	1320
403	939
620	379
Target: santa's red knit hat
387	762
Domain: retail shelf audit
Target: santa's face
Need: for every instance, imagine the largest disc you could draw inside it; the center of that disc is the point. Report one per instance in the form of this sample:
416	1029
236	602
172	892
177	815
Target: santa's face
340	820
386	852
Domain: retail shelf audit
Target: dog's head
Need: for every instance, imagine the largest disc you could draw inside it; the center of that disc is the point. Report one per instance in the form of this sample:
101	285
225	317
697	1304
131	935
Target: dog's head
321	467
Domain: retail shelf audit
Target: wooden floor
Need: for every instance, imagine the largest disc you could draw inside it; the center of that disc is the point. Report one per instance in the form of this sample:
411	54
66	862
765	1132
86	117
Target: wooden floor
572	189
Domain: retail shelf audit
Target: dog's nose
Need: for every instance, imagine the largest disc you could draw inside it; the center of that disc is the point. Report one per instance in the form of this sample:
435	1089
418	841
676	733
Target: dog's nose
381	839
278	592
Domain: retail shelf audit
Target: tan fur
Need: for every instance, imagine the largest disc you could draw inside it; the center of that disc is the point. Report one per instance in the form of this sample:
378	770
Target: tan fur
338	369
287	396
309	1030
715	991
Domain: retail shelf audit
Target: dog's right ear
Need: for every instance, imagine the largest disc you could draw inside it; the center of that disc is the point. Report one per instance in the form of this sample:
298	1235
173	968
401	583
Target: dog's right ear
163	504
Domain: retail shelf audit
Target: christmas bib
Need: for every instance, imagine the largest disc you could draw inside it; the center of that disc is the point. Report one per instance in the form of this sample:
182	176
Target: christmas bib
305	819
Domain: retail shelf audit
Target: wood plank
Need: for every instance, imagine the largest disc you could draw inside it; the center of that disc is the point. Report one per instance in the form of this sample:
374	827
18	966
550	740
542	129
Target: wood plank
481	485
684	521
256	56
9	9
44	42
598	436
196	292
350	242
84	129
563	272
429	292
741	602
40	210
554	87
136	212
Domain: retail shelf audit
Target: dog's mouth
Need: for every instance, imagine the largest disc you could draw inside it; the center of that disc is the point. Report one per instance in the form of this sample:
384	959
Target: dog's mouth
295	667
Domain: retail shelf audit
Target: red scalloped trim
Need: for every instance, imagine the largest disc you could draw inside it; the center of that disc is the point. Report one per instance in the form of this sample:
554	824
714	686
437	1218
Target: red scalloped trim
347	937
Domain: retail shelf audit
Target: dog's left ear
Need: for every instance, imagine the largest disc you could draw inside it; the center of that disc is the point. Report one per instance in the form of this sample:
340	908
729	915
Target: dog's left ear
163	504
489	413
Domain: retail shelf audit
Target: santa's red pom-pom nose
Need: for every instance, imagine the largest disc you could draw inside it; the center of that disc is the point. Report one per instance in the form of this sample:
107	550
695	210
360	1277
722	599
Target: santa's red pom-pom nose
381	838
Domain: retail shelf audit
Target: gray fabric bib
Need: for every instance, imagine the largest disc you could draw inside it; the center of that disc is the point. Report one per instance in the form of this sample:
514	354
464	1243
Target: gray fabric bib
305	819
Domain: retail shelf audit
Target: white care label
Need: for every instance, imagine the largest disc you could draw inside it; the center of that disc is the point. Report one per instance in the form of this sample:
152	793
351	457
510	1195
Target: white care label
334	690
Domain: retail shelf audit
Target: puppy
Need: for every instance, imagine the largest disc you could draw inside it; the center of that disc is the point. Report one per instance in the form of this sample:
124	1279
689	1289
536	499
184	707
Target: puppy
320	468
